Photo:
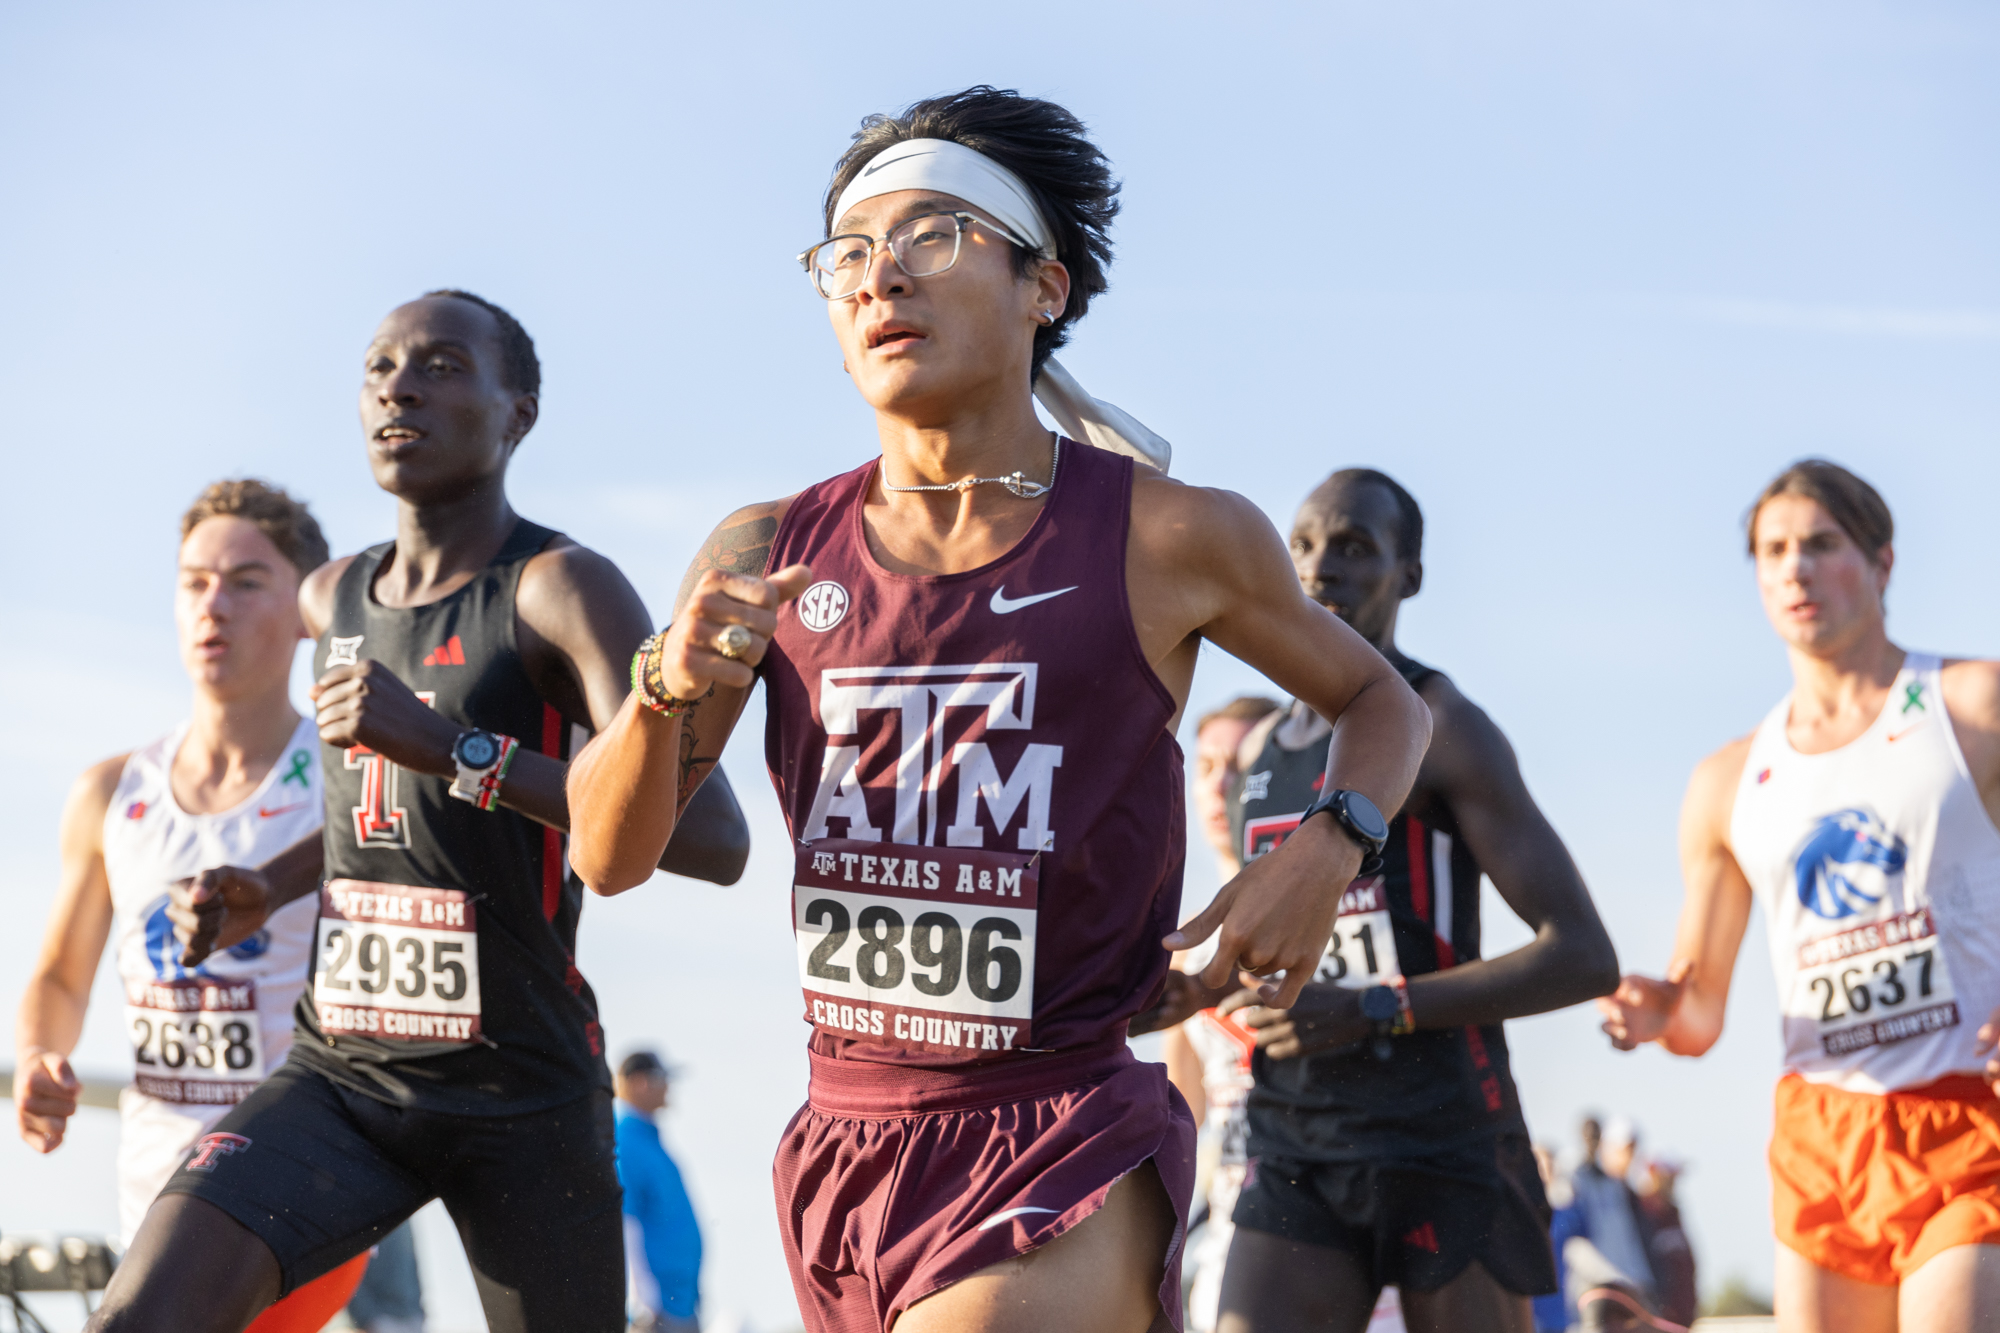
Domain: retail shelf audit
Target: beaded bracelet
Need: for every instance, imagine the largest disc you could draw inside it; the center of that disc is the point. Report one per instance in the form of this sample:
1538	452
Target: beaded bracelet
649	684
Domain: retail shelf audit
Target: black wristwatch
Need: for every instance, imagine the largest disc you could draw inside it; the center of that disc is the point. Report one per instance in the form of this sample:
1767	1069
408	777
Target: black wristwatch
477	750
1361	821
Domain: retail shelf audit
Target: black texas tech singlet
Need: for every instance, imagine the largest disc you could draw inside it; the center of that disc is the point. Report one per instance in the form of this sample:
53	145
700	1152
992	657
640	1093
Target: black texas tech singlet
537	1043
1444	1093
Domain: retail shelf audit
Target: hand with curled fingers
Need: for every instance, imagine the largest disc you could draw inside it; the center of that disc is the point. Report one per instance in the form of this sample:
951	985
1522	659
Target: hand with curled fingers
366	704
1642	1007
724	629
1183	997
1277	915
216	909
45	1093
1326	1018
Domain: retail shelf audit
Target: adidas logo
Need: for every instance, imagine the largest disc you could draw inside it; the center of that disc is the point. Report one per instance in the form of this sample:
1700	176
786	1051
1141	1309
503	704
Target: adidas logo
450	653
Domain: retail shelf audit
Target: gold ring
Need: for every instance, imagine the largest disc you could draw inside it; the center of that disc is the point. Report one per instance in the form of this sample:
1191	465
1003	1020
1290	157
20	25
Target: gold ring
733	642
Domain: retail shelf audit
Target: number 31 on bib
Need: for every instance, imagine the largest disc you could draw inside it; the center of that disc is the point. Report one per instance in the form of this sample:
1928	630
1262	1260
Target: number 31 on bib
932	951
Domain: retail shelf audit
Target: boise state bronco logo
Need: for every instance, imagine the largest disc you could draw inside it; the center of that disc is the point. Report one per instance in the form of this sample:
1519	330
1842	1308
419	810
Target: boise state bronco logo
163	949
1842	848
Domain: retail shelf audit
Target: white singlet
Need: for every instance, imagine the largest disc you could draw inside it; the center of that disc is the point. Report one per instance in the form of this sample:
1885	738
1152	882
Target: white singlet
203	1037
1879	871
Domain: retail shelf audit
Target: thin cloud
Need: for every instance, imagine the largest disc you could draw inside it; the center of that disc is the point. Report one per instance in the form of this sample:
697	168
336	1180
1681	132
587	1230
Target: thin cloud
1852	321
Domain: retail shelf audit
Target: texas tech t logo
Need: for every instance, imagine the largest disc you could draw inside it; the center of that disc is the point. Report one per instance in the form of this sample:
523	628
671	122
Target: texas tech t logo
923	730
380	820
213	1148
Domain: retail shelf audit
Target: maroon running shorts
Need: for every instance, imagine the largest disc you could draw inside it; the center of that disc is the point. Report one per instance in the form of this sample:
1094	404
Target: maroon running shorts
893	1183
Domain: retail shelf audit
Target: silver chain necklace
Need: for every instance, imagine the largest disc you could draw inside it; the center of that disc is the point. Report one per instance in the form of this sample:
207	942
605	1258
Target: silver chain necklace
1013	481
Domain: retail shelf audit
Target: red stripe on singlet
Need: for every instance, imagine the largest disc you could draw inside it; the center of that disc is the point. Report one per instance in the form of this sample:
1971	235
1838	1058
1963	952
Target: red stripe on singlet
1420	891
552	839
1420	878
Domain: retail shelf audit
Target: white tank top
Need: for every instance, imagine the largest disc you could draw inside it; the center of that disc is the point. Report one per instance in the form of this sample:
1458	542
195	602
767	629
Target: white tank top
1879	871
203	1037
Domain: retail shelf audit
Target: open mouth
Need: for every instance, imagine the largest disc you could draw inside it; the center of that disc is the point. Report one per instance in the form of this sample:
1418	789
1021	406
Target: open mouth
398	434
893	334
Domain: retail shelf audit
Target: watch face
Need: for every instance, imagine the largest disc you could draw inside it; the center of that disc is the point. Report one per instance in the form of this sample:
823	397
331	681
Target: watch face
1378	1004
476	749
1367	819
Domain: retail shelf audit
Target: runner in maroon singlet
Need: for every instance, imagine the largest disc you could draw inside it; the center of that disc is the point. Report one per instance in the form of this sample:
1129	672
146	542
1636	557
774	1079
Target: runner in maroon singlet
976	649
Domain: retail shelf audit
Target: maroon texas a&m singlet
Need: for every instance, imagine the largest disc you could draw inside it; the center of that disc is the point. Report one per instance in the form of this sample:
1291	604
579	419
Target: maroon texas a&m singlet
984	799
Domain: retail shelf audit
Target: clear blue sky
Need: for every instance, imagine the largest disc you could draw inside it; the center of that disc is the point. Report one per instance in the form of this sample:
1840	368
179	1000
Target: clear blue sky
1581	275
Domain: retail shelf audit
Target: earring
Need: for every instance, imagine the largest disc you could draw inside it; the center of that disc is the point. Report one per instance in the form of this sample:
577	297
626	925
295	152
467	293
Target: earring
1046	316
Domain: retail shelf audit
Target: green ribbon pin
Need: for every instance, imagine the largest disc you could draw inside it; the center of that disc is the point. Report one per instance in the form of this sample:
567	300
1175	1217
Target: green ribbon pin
297	773
1913	697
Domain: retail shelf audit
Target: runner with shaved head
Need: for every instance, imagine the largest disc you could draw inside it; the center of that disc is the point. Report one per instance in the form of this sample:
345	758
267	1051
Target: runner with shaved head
448	1047
1386	1145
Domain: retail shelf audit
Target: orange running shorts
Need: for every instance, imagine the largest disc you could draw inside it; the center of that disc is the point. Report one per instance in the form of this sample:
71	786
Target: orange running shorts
1874	1186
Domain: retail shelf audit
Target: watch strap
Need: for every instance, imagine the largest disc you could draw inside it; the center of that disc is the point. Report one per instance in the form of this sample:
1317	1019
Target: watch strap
481	787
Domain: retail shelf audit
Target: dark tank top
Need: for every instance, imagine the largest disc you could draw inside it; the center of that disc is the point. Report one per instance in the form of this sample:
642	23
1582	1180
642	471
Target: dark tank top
1444	1093
984	799
469	1000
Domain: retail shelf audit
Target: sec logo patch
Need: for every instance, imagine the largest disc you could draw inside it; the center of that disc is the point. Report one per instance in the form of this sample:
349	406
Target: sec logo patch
822	606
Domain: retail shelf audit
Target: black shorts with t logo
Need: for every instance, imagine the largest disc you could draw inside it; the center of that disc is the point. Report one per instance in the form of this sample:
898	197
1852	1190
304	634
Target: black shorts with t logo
320	1172
1410	1228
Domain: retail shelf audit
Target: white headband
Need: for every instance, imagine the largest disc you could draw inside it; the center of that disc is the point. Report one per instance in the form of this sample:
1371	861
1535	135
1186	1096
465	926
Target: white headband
952	168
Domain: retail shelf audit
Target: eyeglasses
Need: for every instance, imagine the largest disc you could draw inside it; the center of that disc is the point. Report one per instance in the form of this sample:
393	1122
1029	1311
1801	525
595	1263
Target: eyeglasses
922	247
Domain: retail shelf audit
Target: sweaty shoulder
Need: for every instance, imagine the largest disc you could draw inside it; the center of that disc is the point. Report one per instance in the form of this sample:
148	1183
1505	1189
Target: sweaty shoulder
316	593
1972	692
740	544
1196	553
1173	521
1711	793
560	576
1972	699
90	799
1465	741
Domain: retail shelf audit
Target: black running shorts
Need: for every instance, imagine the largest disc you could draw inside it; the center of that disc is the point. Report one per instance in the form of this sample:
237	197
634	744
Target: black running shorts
1413	1229
320	1173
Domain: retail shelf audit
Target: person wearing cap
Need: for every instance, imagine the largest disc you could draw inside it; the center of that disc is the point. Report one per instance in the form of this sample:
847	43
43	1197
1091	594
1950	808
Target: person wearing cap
662	1237
1609	1206
976	646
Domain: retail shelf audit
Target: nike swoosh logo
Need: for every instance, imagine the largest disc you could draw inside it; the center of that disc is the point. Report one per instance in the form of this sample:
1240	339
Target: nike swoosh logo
1904	732
998	1218
264	813
870	171
1002	604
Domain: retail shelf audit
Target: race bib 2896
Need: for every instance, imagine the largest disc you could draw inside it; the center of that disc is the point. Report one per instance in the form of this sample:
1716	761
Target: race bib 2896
927	948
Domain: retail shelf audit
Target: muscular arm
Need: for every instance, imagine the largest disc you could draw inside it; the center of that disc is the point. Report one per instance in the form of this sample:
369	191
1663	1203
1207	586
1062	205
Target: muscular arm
643	773
58	991
1208	565
579	622
1684	1010
1471	768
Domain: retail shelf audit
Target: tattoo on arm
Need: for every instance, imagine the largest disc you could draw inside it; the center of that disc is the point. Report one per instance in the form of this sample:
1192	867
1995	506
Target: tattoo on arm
694	767
742	549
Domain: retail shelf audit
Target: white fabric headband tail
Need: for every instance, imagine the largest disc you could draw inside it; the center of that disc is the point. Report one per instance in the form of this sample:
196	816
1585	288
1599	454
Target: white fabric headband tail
1093	421
952	168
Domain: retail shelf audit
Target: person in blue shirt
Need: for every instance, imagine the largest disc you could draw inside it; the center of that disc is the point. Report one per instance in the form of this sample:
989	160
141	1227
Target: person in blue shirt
662	1238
